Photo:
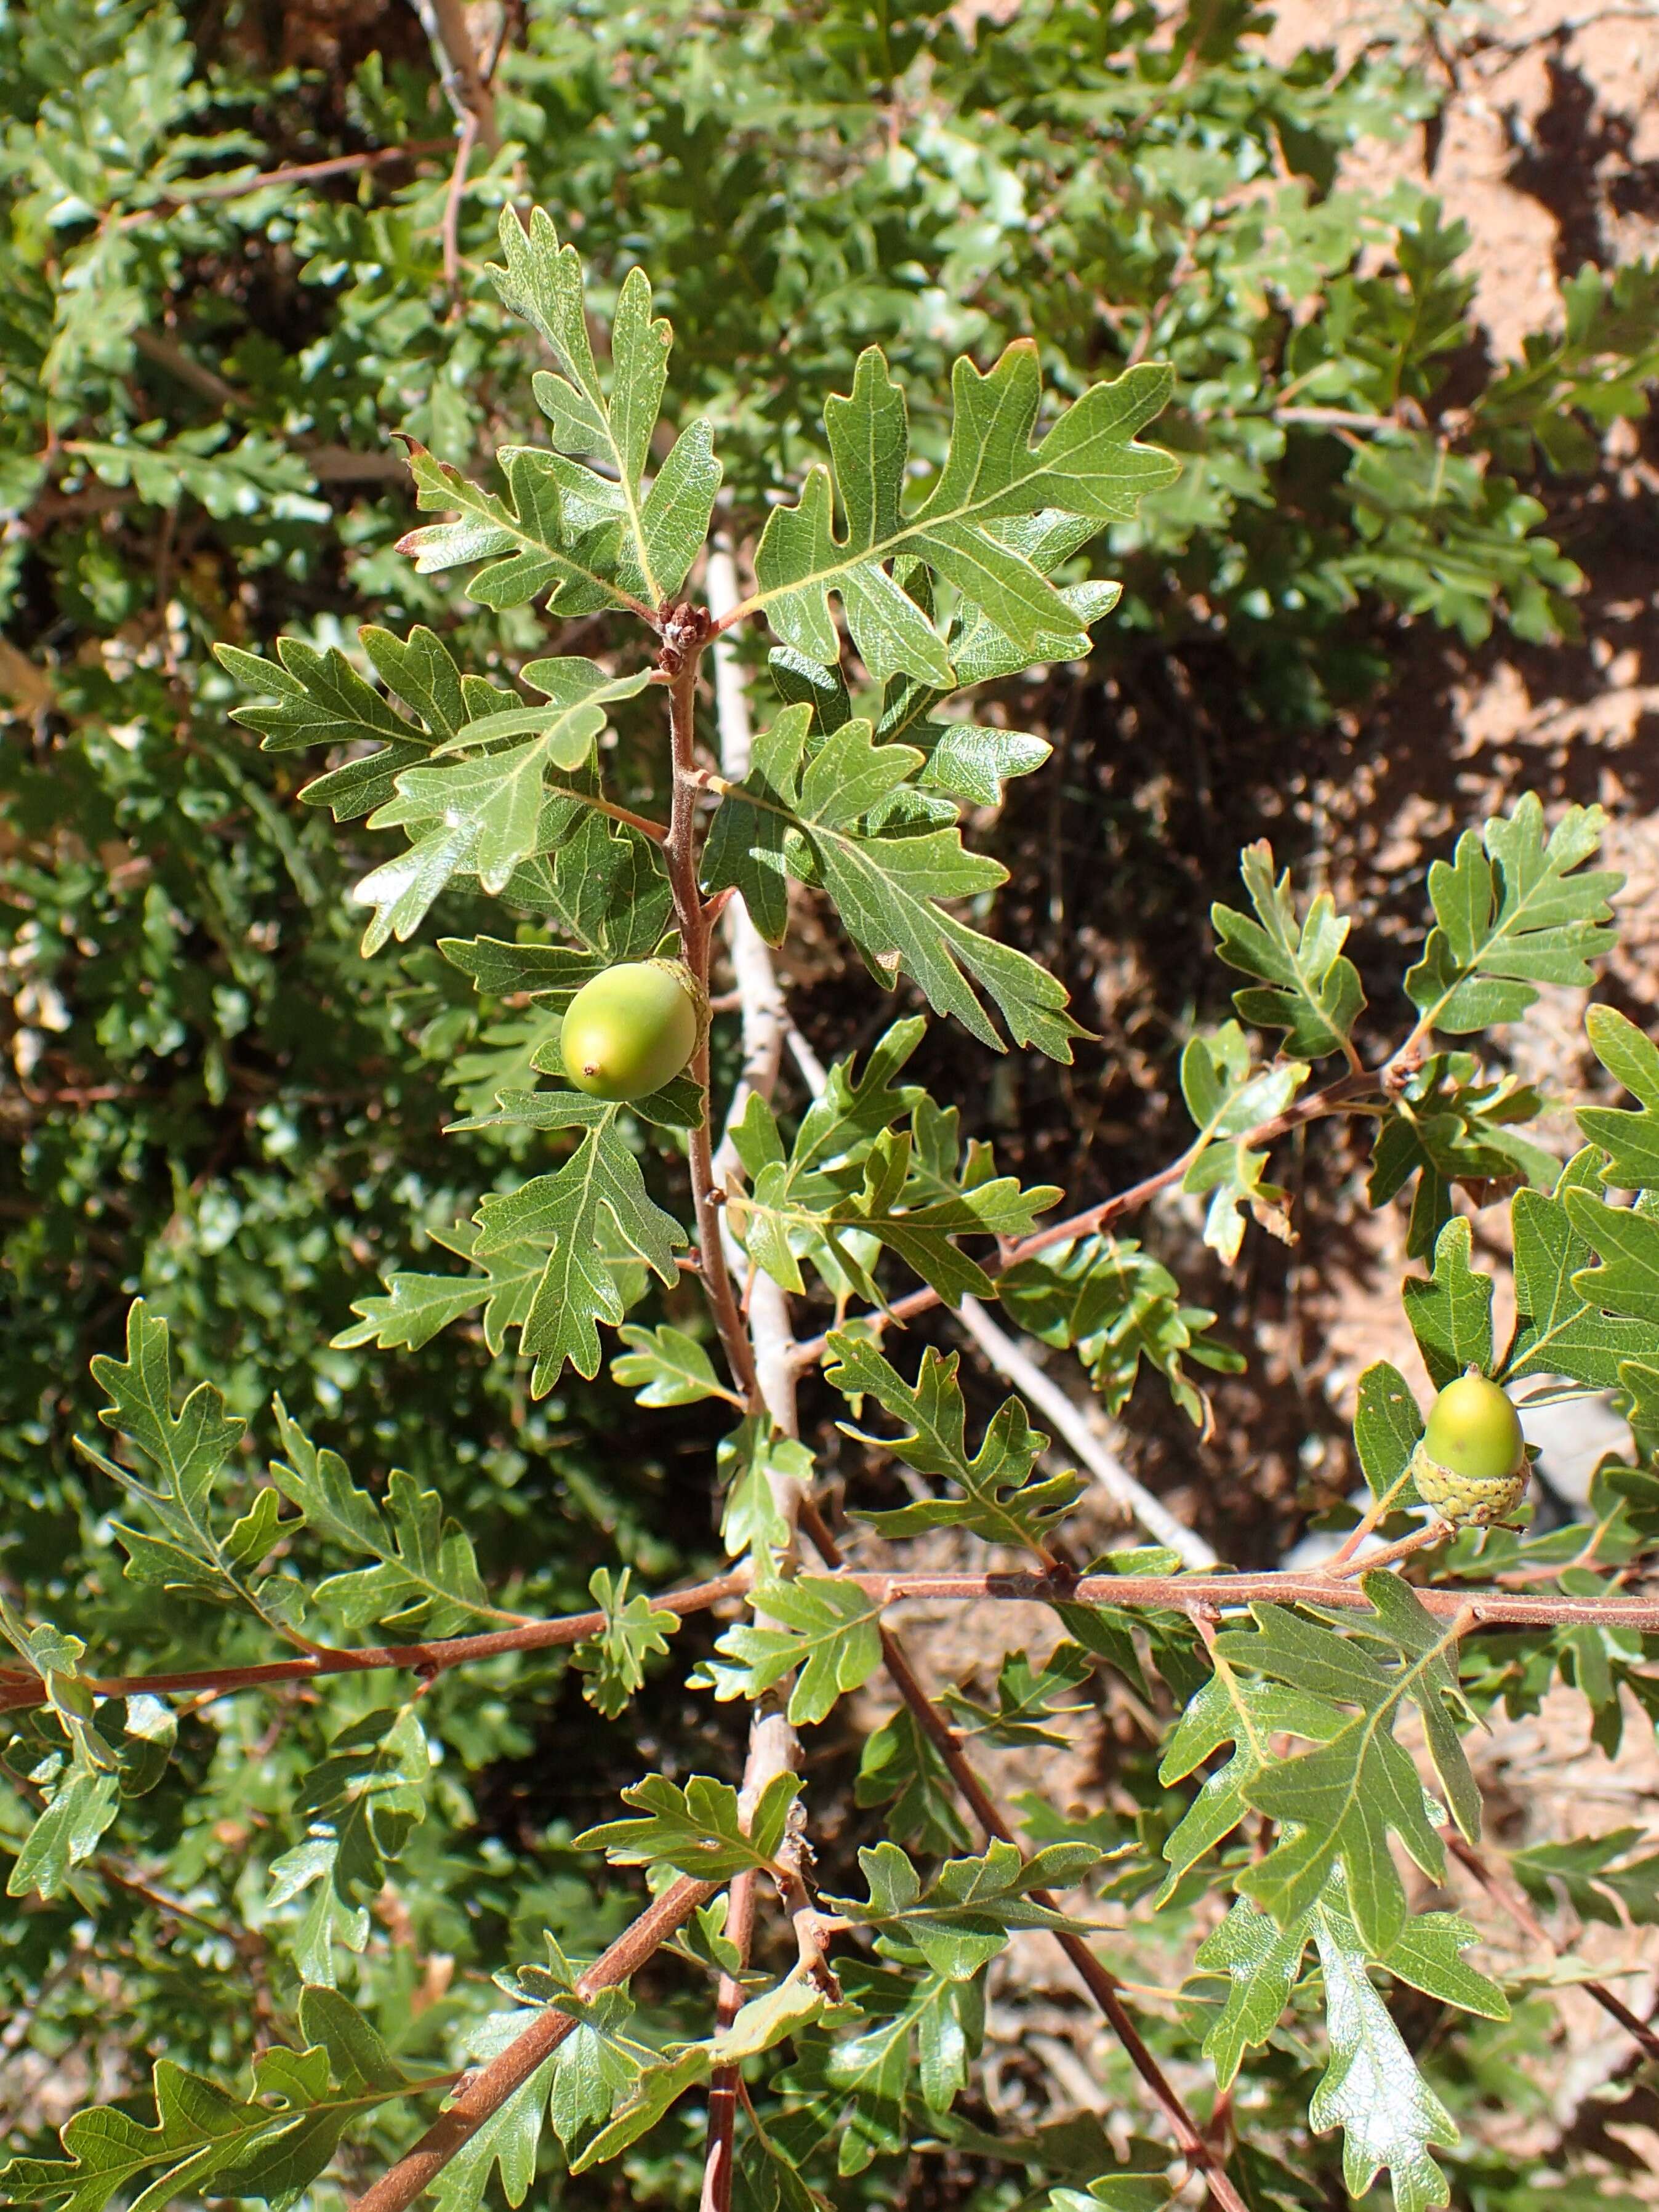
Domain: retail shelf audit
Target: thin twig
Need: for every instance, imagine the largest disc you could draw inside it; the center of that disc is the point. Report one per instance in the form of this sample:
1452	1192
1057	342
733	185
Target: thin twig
647	828
1386	1555
1335	418
1481	1607
298	172
1485	1607
1094	1219
723	2081
1376	1511
466	138
491	2087
1520	1910
18	1691
327	464
176	362
1011	1361
1102	1985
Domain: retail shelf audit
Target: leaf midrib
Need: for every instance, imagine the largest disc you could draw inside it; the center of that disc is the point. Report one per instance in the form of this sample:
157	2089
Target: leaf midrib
499	516
918	528
1368	1724
1497	933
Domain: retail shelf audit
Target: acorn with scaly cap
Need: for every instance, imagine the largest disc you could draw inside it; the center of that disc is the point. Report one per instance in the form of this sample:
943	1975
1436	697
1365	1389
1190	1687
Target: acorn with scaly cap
1472	1462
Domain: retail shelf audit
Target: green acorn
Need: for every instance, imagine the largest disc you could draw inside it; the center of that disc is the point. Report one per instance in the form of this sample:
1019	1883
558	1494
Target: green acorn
1471	1465
631	1030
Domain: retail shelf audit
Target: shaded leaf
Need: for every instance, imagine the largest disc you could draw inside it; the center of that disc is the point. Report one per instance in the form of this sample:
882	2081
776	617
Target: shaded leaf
614	1659
426	1576
597	1197
809	817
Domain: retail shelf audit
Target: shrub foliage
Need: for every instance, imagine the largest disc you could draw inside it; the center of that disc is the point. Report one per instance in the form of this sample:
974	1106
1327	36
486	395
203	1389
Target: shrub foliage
257	1696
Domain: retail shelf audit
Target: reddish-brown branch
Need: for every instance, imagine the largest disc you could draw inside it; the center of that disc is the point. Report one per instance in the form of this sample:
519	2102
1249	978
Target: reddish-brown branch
1101	1983
1094	1219
1516	1903
18	1691
491	2087
1486	1607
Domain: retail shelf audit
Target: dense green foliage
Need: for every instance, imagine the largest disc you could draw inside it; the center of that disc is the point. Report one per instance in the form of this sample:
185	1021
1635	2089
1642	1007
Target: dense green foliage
273	919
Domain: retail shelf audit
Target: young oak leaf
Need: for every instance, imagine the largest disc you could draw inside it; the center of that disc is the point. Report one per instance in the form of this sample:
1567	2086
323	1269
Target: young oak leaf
614	1659
766	2021
962	1919
320	699
901	1767
999	1502
913	1206
758	1467
1450	1311
1247	1712
808	817
547	535
826	1633
1089	465
966	761
1512	911
660	531
1227	1097
1631	1139
1604	1878
179	1549
699	1829
1305	985
1372	2088
664	1366
366	1797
